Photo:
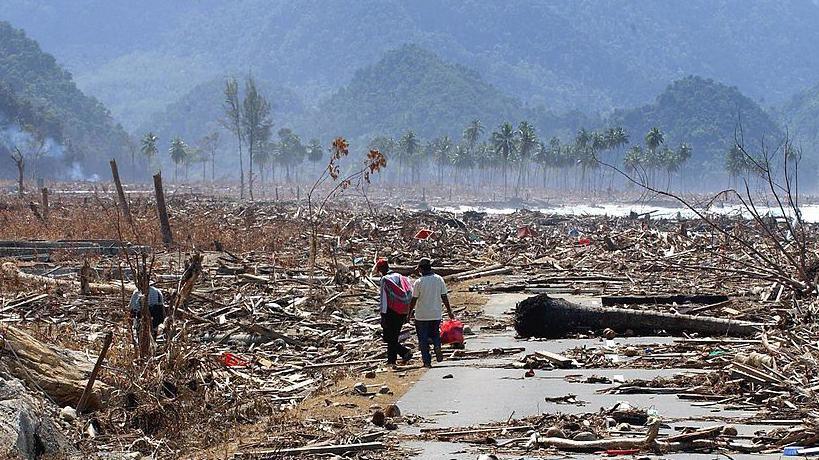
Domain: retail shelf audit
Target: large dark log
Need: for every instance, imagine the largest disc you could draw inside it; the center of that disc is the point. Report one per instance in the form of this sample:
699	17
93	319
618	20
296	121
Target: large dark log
705	299
544	316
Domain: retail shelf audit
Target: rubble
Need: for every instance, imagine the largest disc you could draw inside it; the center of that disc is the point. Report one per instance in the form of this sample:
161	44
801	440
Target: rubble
259	334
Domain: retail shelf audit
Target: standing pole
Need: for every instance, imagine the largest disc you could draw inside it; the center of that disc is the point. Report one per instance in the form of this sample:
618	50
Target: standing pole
93	377
45	204
123	202
162	211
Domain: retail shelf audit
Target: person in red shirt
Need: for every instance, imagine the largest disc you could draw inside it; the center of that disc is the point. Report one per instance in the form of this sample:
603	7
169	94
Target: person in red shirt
395	297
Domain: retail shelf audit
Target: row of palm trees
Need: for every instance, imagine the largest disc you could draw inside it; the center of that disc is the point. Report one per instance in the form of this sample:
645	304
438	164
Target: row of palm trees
288	153
573	163
476	157
181	153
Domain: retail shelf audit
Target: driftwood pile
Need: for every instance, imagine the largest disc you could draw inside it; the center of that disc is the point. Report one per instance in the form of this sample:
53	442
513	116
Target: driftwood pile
259	332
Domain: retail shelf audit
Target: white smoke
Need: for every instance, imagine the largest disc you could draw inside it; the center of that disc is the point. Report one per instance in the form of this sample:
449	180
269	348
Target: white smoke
75	173
12	137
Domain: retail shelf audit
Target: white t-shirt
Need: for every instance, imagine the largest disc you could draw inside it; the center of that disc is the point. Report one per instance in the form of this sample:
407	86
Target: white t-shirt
428	290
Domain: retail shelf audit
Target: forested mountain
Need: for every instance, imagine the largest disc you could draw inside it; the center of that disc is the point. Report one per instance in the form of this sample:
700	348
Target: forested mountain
411	88
39	98
198	112
801	116
703	113
590	55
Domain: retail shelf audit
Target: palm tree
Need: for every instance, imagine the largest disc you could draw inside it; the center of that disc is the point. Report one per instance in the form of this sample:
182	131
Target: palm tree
178	153
148	147
584	143
735	164
654	139
683	155
503	143
473	132
441	149
462	158
408	147
670	161
315	152
634	158
291	150
527	144
616	138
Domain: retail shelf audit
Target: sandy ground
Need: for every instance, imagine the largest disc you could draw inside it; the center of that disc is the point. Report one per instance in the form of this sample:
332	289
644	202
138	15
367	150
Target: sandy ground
338	402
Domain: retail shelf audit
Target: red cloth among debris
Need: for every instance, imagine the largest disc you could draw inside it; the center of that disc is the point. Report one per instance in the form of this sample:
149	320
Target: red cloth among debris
452	331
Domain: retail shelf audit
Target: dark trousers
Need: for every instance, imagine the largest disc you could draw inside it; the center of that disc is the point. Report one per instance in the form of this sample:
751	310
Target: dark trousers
157	315
391	323
428	330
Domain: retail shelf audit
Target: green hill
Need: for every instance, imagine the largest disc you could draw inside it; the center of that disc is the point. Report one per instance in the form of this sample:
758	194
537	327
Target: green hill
199	111
40	93
801	116
702	113
590	55
412	88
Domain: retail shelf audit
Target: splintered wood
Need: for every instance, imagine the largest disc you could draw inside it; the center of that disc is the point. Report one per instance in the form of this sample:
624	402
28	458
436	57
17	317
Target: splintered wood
252	331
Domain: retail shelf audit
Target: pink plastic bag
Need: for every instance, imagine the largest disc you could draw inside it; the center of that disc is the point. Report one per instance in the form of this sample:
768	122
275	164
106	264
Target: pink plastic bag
452	331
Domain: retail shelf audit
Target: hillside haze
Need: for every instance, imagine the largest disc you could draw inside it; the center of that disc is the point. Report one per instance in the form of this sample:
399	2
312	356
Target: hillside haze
696	70
591	55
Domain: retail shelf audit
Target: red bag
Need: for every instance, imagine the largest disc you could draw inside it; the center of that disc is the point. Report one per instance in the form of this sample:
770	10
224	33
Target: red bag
232	360
452	331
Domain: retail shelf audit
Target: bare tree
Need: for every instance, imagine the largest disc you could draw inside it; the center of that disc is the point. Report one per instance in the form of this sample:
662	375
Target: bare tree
19	161
255	122
787	256
233	123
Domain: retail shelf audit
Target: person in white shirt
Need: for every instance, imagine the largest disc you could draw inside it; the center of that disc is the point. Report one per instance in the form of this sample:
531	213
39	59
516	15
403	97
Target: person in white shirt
429	294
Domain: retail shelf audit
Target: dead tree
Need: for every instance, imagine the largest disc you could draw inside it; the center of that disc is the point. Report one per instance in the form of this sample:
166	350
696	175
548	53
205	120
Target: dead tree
162	211
123	201
788	259
193	270
44	192
20	162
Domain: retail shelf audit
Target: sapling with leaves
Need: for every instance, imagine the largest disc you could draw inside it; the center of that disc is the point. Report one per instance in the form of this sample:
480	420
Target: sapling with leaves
332	183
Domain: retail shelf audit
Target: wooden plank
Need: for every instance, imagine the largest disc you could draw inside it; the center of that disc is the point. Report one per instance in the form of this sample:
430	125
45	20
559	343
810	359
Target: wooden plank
330	449
556	359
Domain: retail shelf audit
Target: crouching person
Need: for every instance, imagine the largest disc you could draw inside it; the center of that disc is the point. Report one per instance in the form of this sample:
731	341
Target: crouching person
156	309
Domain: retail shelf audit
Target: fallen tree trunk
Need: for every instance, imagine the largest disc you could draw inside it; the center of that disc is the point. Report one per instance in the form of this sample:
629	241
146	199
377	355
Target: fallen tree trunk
544	316
10	273
705	299
59	373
